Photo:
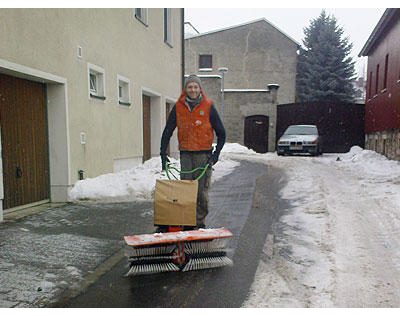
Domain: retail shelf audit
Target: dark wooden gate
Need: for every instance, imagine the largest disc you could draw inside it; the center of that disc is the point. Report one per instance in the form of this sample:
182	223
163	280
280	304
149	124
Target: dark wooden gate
340	124
146	128
256	133
24	141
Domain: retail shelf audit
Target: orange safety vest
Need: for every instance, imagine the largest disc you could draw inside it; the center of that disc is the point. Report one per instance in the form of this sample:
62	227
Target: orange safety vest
195	132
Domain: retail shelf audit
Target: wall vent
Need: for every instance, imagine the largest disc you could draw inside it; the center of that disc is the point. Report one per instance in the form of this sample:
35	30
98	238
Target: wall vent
83	138
79	52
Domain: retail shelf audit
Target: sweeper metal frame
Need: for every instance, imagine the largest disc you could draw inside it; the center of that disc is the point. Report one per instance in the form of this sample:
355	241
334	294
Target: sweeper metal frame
178	249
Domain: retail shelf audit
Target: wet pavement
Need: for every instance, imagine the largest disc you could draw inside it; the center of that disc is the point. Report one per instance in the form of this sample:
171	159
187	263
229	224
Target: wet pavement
44	254
72	254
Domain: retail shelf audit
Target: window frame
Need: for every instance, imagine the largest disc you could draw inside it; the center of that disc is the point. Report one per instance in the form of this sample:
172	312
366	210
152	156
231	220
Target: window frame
98	73
385	75
398	78
125	100
168	26
93	90
200	62
370	85
143	16
377	80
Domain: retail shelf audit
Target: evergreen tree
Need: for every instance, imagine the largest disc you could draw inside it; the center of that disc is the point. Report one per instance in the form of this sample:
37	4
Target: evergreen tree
324	69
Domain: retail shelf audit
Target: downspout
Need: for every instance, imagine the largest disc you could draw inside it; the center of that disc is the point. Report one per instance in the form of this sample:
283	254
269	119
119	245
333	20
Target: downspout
183	47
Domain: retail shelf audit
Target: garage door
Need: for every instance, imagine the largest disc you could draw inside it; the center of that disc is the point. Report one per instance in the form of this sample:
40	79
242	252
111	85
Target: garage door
24	141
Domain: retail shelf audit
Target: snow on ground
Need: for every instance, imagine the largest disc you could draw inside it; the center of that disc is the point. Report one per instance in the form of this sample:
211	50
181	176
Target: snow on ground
138	183
336	245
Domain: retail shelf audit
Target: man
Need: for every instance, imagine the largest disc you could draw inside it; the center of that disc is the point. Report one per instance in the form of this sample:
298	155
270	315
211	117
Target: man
197	119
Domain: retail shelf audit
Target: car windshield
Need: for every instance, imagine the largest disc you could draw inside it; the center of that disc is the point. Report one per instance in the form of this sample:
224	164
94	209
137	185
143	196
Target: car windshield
301	130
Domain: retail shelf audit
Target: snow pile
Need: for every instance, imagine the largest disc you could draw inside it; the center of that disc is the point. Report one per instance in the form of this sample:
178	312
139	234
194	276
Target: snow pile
371	164
138	183
235	148
132	184
375	172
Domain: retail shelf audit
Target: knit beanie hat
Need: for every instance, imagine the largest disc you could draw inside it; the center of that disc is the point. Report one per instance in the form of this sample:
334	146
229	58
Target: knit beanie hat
193	78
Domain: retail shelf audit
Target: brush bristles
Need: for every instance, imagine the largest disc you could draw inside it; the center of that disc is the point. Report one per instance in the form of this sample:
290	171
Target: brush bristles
149	258
207	263
205	246
152	268
150	251
201	254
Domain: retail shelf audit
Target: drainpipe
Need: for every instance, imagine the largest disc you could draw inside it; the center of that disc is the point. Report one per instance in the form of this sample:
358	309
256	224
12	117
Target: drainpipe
183	46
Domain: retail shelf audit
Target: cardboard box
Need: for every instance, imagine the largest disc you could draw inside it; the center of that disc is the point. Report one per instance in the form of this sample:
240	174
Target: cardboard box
175	202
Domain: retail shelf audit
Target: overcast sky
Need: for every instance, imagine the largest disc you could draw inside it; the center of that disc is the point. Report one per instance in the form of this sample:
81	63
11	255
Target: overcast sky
358	23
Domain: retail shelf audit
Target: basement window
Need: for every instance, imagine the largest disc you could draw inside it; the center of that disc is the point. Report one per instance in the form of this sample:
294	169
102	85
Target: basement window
96	82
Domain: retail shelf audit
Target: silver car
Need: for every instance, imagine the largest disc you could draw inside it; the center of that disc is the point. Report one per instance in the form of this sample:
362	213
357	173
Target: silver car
300	139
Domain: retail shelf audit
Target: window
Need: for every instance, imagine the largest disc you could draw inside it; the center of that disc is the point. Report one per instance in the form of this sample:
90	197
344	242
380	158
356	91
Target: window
205	62
377	79
124	96
93	83
398	80
141	15
168	26
386	72
370	86
96	82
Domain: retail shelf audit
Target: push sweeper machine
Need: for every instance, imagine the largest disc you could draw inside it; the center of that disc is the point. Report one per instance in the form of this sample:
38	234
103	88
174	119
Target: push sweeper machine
177	249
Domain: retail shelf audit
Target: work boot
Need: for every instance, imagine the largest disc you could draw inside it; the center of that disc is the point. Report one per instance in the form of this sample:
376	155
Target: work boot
162	229
186	228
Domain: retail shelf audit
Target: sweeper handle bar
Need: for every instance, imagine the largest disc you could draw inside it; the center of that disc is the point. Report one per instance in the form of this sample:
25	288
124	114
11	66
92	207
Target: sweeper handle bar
168	167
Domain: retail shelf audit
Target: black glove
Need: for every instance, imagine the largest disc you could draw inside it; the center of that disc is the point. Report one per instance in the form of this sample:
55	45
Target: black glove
164	160
213	158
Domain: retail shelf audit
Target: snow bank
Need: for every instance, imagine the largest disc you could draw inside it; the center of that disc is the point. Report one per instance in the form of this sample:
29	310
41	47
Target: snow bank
372	165
132	184
138	183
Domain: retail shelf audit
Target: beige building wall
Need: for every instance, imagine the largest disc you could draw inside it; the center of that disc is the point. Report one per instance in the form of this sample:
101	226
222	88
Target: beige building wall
42	45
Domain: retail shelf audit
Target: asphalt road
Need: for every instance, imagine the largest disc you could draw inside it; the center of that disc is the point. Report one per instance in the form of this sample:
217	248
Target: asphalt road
247	203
